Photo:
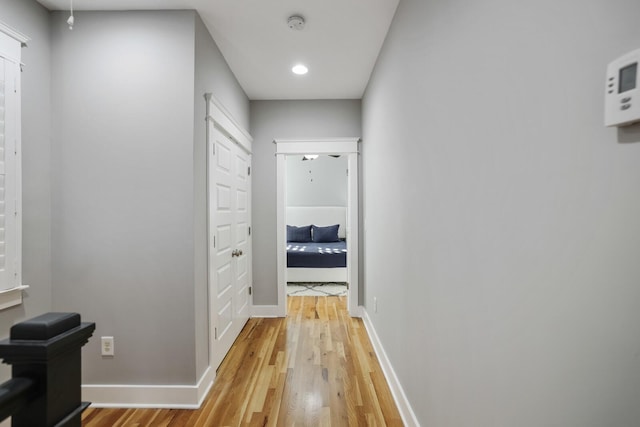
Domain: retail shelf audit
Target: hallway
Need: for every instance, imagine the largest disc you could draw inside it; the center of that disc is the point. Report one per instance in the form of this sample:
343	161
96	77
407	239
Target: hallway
315	368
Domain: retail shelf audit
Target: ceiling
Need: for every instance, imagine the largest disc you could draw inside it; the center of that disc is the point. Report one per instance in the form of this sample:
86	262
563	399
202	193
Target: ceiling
339	44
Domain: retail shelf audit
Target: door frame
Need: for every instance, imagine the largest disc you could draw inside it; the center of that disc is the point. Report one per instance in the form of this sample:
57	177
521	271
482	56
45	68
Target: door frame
343	146
218	117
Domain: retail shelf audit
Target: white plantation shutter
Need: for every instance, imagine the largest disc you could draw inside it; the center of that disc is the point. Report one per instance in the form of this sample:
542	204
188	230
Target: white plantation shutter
10	171
7	177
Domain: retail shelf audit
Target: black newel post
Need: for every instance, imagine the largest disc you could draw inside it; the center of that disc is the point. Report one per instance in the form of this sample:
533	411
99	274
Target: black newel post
46	350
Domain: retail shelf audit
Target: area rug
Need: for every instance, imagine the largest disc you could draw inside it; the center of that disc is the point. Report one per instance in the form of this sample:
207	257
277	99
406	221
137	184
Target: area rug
316	289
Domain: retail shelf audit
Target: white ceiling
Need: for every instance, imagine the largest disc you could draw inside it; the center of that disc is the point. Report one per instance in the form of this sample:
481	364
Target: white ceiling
339	44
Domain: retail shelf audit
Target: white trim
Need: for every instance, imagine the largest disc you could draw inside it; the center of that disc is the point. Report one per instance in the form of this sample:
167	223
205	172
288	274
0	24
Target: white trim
224	121
359	312
266	311
149	396
11	297
353	237
317	146
318	140
281	232
348	146
6	29
406	412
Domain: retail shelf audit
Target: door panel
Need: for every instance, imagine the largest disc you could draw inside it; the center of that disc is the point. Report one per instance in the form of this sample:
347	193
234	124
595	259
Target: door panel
223	279
242	237
223	238
229	246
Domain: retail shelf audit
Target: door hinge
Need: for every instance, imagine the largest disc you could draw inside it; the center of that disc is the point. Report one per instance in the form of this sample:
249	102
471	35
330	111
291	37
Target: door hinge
249	231
347	172
250	290
214	241
249	171
215	333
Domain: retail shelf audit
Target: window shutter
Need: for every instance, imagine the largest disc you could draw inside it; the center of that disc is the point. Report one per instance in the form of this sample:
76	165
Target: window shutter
10	200
7	192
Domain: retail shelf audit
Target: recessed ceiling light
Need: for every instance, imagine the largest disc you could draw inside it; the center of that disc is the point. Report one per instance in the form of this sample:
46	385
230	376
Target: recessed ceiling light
300	69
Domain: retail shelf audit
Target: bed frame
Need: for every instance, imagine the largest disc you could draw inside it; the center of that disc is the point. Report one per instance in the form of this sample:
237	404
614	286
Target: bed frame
321	216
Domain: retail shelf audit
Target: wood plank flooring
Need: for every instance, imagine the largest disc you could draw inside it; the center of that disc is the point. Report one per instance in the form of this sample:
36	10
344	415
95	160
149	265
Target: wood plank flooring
314	368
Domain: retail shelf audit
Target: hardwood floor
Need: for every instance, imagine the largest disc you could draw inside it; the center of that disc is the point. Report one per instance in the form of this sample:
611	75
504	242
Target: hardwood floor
314	368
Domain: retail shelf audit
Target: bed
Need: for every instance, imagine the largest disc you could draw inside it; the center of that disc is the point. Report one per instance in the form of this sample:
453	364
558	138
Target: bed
316	244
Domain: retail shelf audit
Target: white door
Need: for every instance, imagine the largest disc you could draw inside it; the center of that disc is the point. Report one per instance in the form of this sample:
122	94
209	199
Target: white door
229	241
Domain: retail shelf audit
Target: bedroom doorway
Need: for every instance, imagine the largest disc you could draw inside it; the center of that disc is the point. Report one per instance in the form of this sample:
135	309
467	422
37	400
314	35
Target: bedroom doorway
316	217
329	213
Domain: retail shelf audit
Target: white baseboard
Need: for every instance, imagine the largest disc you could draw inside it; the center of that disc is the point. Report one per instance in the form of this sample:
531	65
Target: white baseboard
406	412
266	311
149	396
358	312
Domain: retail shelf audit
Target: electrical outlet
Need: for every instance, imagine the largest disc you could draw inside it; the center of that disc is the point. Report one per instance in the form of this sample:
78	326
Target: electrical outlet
375	304
107	346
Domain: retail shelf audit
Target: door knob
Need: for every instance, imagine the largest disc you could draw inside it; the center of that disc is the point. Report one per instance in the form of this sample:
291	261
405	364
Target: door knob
236	252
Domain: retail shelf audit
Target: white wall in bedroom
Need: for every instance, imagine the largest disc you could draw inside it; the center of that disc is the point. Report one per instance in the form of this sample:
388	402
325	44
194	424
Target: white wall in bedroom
319	182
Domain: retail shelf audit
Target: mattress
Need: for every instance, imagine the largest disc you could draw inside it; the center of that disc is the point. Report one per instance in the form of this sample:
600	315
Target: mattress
317	255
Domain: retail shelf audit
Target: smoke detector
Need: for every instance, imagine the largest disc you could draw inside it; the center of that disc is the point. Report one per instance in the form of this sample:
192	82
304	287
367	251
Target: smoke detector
296	22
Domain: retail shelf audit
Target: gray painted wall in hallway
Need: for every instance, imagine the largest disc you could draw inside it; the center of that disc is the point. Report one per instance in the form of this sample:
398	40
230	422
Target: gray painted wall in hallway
286	120
32	19
128	185
123	225
519	303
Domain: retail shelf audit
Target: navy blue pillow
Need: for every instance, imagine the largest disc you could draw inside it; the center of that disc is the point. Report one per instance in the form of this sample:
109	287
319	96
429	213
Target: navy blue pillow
325	234
299	234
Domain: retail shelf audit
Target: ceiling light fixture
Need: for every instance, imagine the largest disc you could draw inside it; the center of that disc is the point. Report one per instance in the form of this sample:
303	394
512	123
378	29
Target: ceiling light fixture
296	22
300	69
71	19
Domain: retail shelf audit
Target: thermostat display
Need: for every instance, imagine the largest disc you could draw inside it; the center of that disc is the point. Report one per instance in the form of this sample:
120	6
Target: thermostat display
622	91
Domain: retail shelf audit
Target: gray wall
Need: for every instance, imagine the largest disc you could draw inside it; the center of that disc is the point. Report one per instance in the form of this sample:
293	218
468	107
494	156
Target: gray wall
318	182
285	120
485	150
123	196
32	19
212	75
128	188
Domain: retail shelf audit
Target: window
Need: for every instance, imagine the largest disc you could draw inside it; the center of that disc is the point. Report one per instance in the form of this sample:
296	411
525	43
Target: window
10	172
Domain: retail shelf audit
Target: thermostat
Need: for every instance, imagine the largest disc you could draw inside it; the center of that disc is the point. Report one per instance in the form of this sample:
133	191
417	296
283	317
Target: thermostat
622	91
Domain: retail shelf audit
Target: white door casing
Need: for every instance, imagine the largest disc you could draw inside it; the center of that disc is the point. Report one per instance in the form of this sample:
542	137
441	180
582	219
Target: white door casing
344	146
229	215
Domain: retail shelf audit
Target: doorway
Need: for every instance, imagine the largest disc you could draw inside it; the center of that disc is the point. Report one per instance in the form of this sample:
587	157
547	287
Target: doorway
316	208
343	147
